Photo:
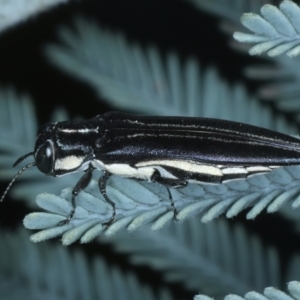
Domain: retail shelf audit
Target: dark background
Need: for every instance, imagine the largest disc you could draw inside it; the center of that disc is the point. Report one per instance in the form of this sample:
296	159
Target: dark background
170	25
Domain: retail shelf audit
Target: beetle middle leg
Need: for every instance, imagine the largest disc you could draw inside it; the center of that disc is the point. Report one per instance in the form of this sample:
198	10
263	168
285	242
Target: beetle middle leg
169	182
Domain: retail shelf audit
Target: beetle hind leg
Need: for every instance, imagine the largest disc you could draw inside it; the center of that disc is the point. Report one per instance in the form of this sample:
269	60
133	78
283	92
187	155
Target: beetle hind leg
169	182
102	187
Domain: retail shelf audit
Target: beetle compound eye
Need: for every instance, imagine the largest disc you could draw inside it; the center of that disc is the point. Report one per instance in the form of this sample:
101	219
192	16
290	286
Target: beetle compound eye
44	158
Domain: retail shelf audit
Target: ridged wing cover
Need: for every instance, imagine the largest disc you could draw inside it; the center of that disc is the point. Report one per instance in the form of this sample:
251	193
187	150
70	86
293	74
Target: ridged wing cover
134	138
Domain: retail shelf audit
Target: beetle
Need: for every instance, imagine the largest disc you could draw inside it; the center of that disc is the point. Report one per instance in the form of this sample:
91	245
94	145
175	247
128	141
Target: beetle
172	151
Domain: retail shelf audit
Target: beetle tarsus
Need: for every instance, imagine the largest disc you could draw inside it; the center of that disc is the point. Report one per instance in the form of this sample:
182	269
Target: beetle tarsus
67	221
175	211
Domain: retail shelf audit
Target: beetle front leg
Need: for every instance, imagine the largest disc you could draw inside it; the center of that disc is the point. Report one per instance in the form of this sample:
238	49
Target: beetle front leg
81	185
102	187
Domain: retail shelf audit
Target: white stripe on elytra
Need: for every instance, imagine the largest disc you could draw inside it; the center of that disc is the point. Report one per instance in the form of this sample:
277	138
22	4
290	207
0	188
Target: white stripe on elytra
234	170
125	170
145	170
187	166
85	130
258	169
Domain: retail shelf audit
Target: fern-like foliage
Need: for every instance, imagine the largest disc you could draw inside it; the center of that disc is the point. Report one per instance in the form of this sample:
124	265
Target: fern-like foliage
283	90
277	31
131	214
140	80
270	293
141	203
18	126
293	268
15	11
51	272
214	258
229	9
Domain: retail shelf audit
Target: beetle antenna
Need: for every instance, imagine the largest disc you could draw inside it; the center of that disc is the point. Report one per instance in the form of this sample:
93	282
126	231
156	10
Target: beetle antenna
13	180
20	159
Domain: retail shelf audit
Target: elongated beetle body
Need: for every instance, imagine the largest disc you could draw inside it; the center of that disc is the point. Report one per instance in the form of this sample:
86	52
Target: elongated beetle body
172	151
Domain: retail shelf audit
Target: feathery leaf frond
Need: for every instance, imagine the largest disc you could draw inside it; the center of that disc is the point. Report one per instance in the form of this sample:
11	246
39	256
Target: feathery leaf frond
137	80
15	11
270	293
199	255
293	267
215	258
18	126
283	90
276	32
51	272
142	203
229	9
